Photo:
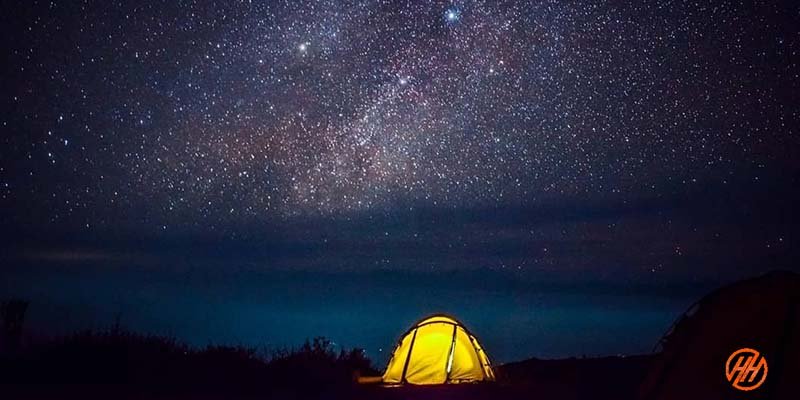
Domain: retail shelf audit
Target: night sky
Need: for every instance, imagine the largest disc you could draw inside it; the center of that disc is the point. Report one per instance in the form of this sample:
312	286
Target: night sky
566	177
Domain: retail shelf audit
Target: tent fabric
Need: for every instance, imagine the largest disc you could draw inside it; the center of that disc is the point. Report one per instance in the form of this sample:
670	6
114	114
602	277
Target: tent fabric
438	350
761	314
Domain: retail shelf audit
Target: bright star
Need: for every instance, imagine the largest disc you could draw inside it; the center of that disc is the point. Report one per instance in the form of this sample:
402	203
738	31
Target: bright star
452	15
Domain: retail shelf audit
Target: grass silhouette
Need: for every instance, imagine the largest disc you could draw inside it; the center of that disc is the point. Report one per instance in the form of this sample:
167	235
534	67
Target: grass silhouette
156	363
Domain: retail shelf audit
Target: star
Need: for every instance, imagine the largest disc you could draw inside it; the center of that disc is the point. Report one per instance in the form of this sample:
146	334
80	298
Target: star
452	15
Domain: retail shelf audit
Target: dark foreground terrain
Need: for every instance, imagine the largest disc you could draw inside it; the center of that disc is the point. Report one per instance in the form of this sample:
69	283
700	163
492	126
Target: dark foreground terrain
124	365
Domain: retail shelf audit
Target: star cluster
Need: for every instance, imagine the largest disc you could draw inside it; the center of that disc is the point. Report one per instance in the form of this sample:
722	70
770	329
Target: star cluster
200	114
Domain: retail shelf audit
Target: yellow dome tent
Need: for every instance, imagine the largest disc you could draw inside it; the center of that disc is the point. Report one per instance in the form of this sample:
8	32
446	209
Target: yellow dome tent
438	350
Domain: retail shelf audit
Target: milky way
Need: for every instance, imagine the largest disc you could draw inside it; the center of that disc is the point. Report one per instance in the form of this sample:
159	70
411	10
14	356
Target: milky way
201	114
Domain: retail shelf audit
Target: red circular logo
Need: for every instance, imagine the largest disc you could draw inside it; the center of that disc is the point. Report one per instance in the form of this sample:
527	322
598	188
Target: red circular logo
746	369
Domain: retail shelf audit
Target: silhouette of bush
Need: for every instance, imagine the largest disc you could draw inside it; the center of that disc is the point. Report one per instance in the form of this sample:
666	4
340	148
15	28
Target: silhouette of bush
12	320
317	362
146	361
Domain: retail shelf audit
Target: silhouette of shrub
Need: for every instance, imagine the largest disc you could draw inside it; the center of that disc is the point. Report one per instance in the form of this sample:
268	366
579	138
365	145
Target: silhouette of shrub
147	361
12	320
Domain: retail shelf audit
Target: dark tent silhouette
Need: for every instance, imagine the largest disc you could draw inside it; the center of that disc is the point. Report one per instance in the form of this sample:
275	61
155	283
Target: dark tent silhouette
699	358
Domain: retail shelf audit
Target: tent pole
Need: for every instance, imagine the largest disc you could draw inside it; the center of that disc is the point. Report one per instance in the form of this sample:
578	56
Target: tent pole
408	357
449	365
472	341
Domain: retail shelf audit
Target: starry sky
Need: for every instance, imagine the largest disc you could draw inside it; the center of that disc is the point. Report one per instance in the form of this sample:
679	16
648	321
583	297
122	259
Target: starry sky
286	169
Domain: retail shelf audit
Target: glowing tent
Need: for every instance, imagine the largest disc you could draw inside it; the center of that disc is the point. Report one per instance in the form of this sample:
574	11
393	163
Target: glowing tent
438	350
